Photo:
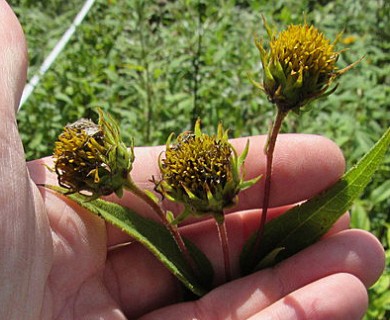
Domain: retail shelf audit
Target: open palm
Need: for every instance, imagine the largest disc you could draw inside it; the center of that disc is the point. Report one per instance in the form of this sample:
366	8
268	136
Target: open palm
58	261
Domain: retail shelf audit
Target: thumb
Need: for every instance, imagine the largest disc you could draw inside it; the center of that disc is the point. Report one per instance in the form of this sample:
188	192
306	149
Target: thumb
13	61
13	66
23	229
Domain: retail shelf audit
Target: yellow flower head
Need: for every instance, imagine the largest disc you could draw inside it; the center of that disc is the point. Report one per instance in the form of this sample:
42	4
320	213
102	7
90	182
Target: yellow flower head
203	172
91	157
299	66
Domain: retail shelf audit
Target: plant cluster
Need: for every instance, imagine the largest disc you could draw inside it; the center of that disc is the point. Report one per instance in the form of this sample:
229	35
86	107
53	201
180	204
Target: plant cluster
205	174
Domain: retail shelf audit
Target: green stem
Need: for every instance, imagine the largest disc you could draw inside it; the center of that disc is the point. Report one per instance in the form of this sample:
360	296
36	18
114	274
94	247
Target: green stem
223	237
131	186
269	152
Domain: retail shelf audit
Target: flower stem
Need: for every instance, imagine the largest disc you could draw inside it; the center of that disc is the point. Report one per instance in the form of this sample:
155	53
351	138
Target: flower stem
269	152
221	226
131	186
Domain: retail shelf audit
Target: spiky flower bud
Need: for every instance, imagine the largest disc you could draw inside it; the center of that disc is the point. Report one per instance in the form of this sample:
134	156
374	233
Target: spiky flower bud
92	157
203	172
299	66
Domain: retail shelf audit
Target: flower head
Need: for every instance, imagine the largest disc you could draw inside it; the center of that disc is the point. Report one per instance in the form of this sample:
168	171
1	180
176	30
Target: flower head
92	157
203	172
299	66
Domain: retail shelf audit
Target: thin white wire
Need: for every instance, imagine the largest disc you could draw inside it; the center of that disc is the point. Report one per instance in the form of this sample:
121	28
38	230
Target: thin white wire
29	88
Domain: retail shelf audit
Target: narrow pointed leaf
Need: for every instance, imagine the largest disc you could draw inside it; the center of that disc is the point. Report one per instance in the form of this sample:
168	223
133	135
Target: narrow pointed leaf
169	141
151	195
243	155
197	130
304	224
155	237
249	183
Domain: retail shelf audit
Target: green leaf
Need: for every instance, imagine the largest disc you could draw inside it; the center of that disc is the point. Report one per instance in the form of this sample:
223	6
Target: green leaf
381	193
249	183
304	224
151	195
242	157
359	216
156	238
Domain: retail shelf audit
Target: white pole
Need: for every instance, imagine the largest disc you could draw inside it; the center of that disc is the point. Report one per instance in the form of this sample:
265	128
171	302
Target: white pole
29	88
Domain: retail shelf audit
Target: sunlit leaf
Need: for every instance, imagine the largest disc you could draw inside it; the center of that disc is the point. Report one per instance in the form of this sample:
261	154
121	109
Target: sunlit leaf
156	238
304	224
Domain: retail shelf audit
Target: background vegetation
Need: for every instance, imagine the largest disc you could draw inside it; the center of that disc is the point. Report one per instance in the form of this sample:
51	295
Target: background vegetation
157	65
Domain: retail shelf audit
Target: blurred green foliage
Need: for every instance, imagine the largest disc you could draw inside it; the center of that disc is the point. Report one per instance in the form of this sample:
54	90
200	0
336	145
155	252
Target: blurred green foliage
158	65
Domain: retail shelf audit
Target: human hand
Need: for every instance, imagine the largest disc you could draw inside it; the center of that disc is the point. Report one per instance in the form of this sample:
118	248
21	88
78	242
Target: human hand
59	261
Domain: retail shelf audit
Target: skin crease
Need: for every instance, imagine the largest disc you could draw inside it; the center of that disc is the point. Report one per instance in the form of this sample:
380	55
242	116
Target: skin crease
56	261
